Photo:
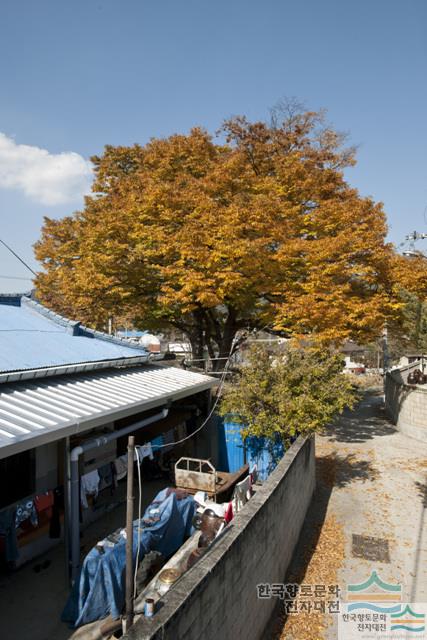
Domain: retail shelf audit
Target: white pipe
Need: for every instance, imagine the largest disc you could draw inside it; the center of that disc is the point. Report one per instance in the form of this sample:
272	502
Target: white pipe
75	497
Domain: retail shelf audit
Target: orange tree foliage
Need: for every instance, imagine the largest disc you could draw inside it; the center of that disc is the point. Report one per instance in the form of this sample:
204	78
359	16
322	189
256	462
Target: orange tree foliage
257	230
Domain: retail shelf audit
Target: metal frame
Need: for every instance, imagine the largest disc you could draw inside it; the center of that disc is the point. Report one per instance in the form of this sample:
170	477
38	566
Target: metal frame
196	479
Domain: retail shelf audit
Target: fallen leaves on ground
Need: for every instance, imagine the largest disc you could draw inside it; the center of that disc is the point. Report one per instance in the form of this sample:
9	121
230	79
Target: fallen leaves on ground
416	464
322	568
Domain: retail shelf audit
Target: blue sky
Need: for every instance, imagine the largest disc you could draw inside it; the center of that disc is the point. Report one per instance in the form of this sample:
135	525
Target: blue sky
77	75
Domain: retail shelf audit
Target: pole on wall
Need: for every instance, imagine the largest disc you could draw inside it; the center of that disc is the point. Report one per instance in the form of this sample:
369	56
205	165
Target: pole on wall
74	507
129	535
67	508
386	359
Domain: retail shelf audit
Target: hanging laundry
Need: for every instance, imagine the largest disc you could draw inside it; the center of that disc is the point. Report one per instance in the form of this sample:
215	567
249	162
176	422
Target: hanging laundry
26	510
157	443
8	532
106	476
89	485
181	431
121	466
44	503
253	473
146	451
242	493
228	516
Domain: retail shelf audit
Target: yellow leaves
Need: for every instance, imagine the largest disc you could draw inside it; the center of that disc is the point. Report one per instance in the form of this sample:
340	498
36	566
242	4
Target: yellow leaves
410	273
264	225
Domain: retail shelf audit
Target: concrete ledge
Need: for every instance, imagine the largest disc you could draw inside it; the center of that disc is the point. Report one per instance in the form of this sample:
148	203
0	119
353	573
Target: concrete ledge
406	404
217	597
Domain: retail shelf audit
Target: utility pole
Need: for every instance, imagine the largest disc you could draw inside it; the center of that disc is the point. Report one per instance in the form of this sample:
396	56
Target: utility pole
385	350
412	238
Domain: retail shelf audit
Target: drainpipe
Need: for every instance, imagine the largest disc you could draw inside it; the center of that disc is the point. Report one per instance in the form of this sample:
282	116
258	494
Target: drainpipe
67	508
75	494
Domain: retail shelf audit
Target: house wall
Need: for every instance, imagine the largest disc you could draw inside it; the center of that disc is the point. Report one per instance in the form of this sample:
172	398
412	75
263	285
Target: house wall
49	473
217	597
46	467
406	404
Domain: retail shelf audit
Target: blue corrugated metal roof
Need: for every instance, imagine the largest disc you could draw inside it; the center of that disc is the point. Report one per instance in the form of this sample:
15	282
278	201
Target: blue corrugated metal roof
32	337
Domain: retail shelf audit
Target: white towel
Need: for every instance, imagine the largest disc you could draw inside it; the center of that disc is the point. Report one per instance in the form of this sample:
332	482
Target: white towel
146	451
89	485
242	493
121	466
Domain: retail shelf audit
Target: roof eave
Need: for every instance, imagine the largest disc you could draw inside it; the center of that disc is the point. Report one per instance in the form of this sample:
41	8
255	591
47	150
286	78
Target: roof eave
60	370
91	422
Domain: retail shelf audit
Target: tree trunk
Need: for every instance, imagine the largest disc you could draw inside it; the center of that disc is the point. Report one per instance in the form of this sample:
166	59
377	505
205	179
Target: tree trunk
207	331
229	331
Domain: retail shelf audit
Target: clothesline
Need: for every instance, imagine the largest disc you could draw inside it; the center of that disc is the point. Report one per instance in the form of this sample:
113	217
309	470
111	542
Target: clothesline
91	482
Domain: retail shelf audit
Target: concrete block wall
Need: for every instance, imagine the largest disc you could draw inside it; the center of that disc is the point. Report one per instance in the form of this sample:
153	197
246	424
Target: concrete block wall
406	404
217	597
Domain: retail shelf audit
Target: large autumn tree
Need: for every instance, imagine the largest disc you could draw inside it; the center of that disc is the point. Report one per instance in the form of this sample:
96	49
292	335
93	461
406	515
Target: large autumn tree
256	228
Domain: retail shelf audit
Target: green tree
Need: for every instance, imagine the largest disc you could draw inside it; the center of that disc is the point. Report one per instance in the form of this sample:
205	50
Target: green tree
410	333
299	391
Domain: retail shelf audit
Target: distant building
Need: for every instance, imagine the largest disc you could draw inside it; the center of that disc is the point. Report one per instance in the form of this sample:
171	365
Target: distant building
143	338
354	357
409	358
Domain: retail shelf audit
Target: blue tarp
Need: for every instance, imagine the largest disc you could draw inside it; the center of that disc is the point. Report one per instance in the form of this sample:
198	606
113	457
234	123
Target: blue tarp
100	588
234	452
265	453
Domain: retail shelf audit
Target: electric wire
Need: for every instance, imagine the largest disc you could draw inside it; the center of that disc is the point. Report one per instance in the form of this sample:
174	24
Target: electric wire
155	447
204	423
138	463
18	257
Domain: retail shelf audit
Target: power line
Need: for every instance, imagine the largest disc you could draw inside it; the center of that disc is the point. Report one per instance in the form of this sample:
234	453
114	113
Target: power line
156	447
14	278
18	257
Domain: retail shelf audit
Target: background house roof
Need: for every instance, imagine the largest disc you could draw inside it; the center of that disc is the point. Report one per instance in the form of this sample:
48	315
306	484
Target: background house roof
131	333
352	347
32	338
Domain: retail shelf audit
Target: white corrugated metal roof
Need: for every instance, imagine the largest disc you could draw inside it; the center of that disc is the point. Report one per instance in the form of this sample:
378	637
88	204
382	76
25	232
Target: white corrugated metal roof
34	413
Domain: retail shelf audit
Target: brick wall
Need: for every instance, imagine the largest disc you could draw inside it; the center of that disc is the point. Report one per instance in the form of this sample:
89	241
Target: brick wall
406	404
217	597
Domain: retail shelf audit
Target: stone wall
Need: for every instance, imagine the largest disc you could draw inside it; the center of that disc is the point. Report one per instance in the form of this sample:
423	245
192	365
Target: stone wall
217	597
406	404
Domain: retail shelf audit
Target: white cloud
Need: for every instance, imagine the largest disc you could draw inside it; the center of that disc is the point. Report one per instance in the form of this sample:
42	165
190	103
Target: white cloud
48	178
